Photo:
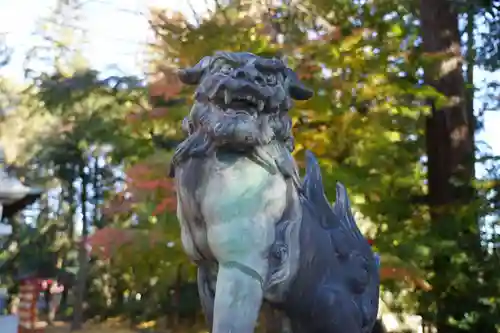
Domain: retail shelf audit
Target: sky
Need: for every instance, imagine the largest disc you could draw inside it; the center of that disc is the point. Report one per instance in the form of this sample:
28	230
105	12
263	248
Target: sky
116	33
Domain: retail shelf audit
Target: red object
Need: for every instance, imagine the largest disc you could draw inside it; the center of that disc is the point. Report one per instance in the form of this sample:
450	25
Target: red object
402	274
29	292
104	242
370	241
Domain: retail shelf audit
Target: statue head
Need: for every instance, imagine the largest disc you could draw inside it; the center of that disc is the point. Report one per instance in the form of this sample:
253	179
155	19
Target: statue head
242	98
244	81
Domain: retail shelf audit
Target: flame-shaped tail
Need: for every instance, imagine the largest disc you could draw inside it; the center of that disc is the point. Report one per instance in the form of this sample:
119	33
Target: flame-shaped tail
340	215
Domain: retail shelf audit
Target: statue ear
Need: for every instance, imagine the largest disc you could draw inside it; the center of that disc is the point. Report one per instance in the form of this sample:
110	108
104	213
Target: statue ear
297	90
194	74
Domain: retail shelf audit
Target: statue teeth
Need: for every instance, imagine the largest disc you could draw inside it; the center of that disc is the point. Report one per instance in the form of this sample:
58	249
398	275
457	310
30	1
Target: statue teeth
227	97
260	105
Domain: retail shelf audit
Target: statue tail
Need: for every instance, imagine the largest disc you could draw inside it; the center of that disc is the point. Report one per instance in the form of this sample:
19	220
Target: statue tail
347	241
340	215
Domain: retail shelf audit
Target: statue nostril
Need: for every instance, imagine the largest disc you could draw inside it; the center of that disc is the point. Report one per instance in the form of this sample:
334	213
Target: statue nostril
259	80
240	74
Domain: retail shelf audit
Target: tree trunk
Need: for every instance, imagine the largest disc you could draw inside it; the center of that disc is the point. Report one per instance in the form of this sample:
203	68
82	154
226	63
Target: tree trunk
79	298
450	152
450	145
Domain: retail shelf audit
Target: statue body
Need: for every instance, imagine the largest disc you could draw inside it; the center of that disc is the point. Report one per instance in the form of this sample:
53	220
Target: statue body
257	232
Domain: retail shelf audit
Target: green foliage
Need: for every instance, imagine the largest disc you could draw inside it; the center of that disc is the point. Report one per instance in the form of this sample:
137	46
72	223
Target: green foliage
31	253
91	144
365	122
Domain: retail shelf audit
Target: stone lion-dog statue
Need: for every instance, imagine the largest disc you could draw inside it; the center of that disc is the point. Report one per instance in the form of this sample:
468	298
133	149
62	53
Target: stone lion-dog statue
257	231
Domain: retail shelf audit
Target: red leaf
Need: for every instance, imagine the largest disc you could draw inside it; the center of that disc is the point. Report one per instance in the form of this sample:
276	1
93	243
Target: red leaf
158	113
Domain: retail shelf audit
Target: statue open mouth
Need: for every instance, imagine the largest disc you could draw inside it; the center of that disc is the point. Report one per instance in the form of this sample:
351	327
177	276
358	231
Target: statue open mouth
239	102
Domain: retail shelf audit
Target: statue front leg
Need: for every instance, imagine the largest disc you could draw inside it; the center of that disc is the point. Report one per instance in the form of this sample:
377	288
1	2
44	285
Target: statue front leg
240	248
238	299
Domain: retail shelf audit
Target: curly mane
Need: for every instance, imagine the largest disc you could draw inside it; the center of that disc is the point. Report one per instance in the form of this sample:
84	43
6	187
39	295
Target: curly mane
208	128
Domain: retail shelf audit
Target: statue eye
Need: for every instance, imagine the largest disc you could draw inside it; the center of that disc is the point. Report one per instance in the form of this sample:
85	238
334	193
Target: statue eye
271	79
226	69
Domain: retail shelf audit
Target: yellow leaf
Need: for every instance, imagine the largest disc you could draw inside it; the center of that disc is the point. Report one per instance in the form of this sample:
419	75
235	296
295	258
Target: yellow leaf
349	42
298	147
396	30
393	136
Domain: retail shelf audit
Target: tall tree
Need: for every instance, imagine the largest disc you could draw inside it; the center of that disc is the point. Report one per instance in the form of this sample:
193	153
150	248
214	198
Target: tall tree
364	122
450	147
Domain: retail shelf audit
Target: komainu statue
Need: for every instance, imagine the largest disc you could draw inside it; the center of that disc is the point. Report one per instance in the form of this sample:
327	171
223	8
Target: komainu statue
256	230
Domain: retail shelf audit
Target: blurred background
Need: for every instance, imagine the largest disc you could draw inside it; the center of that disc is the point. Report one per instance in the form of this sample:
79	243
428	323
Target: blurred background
405	115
